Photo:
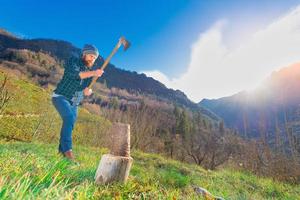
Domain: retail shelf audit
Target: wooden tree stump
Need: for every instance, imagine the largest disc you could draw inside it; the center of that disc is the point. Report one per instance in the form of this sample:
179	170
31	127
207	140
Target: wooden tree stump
113	168
116	165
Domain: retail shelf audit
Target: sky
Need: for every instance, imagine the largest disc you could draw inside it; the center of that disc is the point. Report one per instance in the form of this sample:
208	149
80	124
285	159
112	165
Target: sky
207	49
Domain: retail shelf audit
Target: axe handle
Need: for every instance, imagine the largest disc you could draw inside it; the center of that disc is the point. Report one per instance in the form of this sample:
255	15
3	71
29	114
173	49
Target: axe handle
105	63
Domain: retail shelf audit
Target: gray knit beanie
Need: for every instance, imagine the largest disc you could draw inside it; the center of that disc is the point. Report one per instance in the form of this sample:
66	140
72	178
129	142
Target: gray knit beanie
90	49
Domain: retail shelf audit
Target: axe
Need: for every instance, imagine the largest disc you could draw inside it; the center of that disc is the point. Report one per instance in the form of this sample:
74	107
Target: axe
122	41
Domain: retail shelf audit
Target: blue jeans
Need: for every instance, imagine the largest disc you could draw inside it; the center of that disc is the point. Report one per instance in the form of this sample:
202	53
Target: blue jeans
68	113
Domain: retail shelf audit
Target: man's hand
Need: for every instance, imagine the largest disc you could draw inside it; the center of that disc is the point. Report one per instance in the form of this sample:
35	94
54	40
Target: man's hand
98	72
87	92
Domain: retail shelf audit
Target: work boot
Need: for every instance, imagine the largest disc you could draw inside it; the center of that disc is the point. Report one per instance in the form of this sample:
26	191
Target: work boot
69	155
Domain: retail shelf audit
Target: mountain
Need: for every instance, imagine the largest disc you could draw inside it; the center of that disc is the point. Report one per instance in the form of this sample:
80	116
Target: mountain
114	77
271	111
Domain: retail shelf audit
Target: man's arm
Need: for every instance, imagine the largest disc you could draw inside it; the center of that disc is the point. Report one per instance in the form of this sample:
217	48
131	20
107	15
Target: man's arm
72	73
84	75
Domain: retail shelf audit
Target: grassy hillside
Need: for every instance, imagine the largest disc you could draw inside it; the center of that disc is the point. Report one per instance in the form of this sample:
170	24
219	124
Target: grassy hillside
32	169
30	115
36	171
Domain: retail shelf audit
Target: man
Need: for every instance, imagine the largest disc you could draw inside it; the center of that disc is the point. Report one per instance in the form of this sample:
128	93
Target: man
71	90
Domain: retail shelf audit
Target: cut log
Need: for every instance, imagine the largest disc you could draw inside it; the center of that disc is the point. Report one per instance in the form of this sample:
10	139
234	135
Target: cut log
116	165
113	168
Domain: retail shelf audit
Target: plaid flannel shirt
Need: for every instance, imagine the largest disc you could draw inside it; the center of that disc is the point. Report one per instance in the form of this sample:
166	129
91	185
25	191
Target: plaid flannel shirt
71	84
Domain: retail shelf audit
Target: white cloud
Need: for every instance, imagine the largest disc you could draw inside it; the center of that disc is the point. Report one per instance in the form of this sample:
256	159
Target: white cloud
215	70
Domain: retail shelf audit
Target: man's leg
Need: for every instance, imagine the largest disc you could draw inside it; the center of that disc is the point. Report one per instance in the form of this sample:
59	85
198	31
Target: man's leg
68	114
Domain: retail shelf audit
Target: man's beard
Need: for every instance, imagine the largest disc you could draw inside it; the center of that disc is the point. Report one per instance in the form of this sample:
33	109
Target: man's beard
88	63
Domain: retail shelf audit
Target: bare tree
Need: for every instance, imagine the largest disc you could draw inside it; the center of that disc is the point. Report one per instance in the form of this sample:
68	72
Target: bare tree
4	96
208	147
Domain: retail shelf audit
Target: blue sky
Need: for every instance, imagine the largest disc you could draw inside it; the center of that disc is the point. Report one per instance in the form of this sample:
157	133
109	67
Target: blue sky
162	32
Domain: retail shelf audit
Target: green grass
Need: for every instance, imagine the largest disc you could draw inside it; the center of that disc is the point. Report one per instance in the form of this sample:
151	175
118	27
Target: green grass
36	171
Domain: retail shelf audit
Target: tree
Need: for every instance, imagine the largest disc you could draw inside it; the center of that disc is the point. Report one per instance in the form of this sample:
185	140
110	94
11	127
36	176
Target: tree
4	96
184	124
177	114
104	83
221	128
114	103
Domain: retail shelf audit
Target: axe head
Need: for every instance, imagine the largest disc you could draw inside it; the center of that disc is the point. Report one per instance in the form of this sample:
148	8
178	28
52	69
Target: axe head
124	42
